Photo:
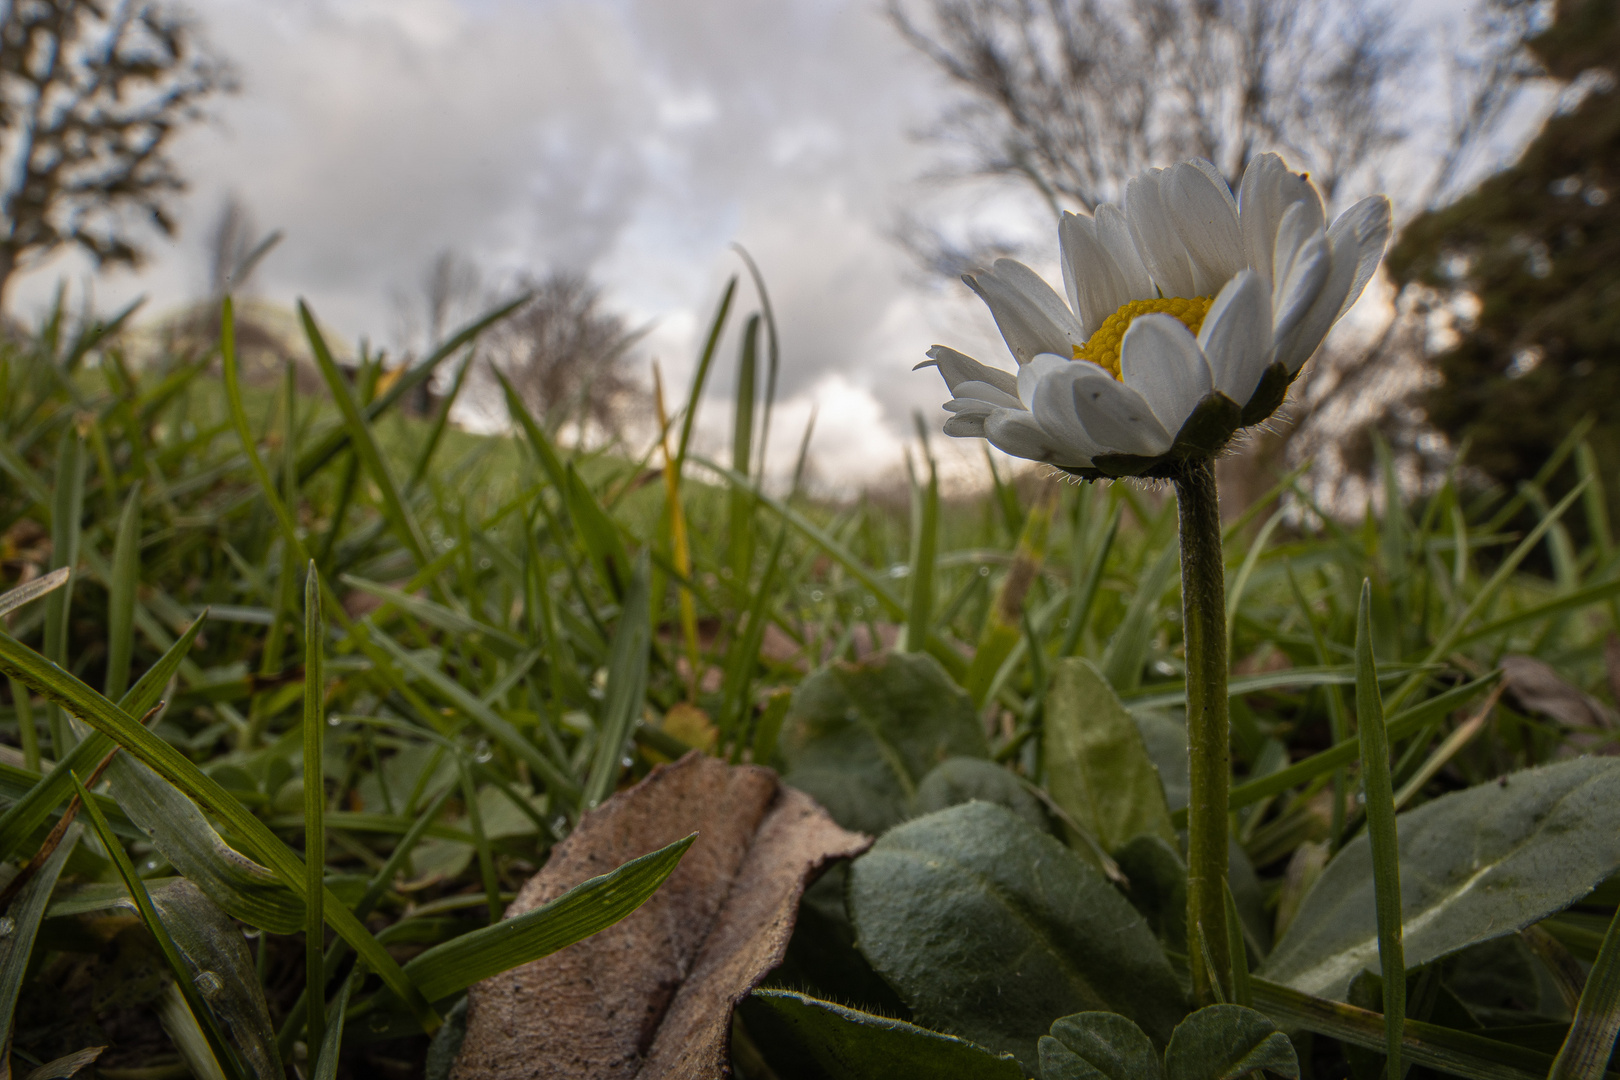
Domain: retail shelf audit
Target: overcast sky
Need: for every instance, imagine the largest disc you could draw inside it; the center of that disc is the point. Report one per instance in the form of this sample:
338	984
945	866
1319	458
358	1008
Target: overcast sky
634	139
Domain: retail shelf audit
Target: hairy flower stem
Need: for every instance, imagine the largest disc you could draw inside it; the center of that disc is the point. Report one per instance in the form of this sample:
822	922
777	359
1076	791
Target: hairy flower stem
1203	603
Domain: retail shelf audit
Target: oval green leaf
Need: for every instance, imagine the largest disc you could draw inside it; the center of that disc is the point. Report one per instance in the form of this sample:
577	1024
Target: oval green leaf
990	929
859	738
1475	865
1098	1046
808	1039
1225	1042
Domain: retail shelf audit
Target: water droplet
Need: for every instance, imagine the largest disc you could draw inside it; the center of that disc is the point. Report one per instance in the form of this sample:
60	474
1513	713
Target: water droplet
208	984
334	720
627	761
815	596
482	752
250	933
984	571
559	825
8	926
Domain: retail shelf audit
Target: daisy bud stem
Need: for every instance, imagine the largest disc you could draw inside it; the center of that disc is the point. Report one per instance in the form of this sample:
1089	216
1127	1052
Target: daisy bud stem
1203	599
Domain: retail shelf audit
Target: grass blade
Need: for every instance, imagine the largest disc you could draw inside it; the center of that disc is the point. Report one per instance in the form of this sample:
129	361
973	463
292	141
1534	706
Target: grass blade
126	567
25	914
314	810
1590	1042
13	599
739	533
168	762
585	909
1381	832
924	553
626	687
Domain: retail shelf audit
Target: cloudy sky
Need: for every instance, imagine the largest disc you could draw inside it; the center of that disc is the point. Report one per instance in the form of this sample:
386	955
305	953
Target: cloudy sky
635	139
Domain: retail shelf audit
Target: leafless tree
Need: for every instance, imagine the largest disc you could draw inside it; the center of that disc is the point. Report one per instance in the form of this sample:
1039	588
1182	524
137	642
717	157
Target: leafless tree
1072	97
566	353
91	92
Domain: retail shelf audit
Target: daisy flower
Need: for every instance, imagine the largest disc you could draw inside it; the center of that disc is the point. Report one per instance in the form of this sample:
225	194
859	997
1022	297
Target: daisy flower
1188	314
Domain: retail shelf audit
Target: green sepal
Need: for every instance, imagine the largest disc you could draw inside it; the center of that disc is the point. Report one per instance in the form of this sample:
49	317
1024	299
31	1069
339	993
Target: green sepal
1208	429
1268	395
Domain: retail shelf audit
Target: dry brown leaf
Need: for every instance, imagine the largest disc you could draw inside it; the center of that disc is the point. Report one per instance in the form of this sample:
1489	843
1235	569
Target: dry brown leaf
1538	688
651	997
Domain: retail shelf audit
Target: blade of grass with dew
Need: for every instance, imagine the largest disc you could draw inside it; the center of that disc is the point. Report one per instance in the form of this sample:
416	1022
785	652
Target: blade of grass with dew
924	549
67	511
183	980
681	548
740	509
168	762
1381	832
501	730
626	687
314	809
586	909
1589	1045
126	567
700	378
27	813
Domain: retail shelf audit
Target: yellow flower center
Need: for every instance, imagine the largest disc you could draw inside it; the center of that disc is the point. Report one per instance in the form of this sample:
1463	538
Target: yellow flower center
1102	348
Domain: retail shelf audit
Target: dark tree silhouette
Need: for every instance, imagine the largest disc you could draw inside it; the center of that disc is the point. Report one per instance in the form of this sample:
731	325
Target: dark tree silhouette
91	92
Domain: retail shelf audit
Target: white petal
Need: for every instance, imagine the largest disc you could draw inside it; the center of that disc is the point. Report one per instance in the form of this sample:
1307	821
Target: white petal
1160	359
1114	232
983	391
1032	318
1368	222
1206	220
971	406
1208	169
1236	336
1303	260
1264	197
1296	347
958	368
1030	375
1115	416
1098	286
1154	232
1054	411
966	425
1016	432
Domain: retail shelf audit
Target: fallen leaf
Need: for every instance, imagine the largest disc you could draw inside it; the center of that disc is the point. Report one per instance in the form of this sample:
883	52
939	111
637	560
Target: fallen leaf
1538	688
652	996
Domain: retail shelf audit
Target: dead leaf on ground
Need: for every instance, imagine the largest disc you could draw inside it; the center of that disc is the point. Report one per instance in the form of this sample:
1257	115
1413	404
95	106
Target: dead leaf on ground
1538	688
651	997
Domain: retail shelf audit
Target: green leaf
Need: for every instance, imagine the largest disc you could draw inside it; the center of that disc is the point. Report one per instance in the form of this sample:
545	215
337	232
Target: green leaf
1158	888
805	1038
1475	865
1224	1042
1127	651
314	795
12	599
860	737
1097	766
588	907
962	779
990	929
601	537
1098	1046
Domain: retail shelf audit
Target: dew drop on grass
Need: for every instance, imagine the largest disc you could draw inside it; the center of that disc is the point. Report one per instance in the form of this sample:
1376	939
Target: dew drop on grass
627	761
482	753
8	926
208	984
